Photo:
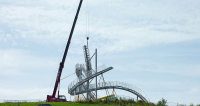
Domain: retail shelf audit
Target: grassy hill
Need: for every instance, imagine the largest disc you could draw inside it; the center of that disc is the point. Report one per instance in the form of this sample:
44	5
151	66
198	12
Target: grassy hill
69	104
106	102
56	104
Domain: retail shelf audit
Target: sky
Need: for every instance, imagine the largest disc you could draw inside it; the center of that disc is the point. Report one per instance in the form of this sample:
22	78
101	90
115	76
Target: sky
153	45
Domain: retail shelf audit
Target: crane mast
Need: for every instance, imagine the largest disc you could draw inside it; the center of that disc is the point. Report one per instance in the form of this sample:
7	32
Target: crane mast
52	98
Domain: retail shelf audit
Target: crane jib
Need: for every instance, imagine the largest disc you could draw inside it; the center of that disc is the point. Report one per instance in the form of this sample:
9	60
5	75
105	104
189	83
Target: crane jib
52	98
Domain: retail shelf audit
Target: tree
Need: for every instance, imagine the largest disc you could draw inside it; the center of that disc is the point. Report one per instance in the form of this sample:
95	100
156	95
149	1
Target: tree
162	102
191	105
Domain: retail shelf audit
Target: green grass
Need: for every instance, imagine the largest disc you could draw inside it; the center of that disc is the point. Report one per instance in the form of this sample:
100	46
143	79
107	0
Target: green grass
56	104
97	103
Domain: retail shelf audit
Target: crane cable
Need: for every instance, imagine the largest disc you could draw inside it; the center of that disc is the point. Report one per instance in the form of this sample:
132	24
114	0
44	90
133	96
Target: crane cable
67	76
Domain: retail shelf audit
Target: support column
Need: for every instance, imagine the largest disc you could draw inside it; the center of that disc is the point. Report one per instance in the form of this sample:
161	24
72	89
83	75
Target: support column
88	90
96	71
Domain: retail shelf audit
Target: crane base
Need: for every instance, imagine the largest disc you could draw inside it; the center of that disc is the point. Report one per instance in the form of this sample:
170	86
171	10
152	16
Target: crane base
61	98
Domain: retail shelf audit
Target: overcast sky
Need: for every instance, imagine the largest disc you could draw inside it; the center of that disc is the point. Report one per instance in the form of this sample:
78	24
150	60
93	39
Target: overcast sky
153	45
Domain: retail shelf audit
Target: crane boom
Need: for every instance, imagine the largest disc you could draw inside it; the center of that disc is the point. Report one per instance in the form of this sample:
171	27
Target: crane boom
52	98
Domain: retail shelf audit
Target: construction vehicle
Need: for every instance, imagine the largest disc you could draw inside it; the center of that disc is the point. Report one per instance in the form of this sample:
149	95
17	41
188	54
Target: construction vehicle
62	98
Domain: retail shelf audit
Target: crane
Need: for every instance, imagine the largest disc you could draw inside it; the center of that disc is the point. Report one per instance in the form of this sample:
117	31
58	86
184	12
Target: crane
61	98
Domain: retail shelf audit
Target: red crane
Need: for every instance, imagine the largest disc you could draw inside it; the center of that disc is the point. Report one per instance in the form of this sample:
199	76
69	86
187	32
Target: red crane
61	98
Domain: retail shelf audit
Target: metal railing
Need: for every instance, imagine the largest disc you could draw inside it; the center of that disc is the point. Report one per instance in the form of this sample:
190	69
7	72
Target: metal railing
106	85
